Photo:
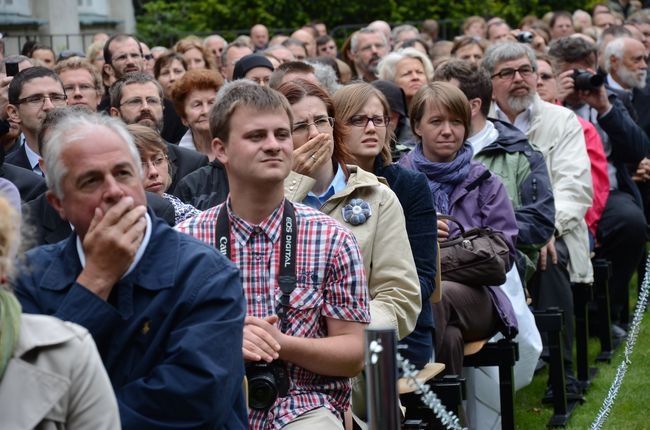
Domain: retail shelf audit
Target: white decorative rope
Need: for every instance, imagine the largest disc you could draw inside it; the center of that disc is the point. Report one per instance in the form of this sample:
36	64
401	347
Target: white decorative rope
632	335
428	397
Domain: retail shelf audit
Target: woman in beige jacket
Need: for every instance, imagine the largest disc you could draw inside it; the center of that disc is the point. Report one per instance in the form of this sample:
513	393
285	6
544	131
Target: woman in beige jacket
359	201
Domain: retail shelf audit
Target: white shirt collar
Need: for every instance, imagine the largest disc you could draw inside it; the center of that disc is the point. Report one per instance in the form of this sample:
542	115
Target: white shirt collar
613	84
522	121
484	137
138	254
187	141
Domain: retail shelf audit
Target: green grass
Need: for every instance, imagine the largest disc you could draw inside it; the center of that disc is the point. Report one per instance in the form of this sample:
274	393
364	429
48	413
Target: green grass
630	407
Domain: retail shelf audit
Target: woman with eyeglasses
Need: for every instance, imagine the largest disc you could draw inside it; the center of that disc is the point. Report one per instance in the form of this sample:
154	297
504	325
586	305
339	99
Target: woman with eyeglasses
157	170
363	114
323	178
464	189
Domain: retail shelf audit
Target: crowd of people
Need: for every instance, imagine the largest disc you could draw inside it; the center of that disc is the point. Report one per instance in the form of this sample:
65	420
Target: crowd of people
210	227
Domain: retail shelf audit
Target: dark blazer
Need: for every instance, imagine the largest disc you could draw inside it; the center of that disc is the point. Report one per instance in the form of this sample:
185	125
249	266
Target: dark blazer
48	227
29	184
19	158
628	141
641	102
184	161
412	191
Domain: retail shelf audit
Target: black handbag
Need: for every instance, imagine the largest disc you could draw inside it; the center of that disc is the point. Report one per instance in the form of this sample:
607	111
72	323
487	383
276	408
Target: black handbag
477	257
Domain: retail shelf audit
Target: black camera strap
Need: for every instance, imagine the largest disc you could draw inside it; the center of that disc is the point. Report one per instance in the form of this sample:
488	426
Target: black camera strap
287	269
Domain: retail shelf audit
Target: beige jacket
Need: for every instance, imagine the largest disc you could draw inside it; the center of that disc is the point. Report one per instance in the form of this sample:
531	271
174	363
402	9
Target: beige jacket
557	134
393	283
56	380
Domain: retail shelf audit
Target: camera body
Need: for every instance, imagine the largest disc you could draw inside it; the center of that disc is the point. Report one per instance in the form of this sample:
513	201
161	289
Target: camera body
266	382
584	80
11	68
525	37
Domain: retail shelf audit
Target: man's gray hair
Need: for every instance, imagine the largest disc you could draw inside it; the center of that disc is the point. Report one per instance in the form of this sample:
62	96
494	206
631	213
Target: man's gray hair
614	48
388	65
74	128
507	51
401	29
212	37
326	76
354	42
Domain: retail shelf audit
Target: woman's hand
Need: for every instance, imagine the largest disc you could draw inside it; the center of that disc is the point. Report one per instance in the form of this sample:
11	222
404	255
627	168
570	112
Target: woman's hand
308	158
443	230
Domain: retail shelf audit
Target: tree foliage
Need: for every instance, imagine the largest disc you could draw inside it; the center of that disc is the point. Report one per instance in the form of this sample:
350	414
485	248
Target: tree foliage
165	21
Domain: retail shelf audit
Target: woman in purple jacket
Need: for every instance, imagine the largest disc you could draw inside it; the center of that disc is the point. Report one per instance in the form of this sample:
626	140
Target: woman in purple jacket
440	118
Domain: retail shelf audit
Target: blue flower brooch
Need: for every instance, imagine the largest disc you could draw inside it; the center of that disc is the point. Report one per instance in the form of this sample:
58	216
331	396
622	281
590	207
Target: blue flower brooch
356	212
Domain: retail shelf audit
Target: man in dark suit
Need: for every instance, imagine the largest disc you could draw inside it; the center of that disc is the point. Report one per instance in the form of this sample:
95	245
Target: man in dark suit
138	98
32	93
29	184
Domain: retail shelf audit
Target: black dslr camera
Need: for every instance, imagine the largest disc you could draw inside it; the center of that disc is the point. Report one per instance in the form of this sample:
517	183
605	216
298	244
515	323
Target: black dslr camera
266	382
584	80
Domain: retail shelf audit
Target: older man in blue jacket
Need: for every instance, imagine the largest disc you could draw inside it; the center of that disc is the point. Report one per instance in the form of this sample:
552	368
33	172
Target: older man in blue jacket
165	310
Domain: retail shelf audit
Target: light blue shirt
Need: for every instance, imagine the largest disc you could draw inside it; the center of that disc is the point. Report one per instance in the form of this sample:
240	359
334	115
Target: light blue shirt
32	156
338	183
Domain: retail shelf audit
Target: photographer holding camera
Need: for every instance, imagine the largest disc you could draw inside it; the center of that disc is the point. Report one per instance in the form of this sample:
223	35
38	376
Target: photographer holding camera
621	231
302	271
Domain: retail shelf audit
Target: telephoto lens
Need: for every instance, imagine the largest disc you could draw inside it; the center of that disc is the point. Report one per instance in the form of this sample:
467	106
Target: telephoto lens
584	80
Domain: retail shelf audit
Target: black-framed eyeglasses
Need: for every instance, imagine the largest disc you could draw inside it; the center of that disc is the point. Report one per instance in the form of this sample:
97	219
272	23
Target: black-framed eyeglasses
524	72
138	102
322	124
362	121
38	100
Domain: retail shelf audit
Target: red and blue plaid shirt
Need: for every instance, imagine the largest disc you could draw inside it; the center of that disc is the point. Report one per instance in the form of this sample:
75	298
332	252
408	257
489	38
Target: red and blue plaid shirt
330	283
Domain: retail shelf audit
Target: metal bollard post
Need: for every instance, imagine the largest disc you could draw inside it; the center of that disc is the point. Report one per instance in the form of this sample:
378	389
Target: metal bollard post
381	380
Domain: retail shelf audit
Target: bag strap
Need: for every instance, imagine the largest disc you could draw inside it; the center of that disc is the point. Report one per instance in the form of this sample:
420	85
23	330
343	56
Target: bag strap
478	181
455	221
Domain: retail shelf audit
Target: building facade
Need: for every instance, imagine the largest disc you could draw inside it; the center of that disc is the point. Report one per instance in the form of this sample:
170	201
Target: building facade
62	24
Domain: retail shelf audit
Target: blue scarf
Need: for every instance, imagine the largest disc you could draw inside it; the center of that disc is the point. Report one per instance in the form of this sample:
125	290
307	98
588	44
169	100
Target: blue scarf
442	177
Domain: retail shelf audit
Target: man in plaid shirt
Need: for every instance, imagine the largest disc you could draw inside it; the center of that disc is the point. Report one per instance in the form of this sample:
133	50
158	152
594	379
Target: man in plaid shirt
320	344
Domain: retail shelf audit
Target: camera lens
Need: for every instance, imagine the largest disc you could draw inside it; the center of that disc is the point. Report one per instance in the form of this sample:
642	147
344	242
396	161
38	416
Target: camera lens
585	80
262	392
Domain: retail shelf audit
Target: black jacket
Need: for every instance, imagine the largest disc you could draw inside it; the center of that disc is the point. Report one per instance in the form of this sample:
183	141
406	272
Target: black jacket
184	162
205	188
19	158
30	185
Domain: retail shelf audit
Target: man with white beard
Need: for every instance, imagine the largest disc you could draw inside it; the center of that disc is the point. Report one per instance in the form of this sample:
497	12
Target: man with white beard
625	64
557	134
